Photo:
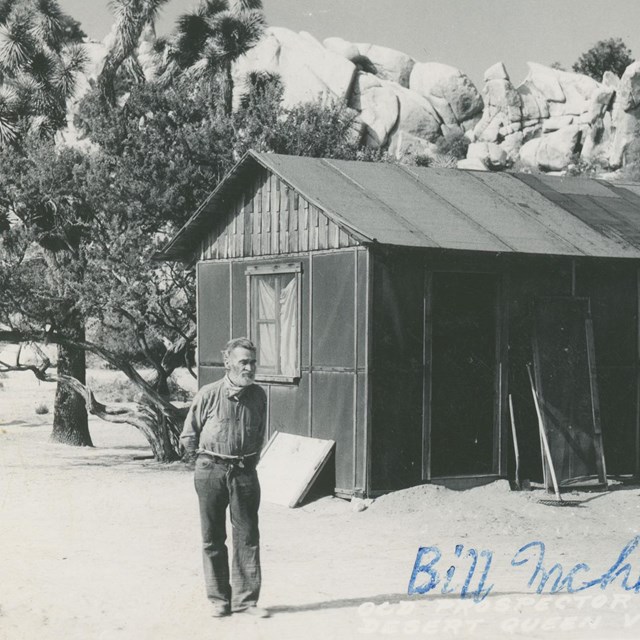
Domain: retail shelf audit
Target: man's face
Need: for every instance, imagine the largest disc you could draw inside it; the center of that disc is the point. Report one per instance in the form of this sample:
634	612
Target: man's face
241	366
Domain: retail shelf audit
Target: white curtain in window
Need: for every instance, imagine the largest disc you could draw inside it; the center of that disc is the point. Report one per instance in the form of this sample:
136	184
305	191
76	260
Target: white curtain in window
266	333
289	328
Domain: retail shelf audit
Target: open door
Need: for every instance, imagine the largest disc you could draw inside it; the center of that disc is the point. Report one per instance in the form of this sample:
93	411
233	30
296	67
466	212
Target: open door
462	431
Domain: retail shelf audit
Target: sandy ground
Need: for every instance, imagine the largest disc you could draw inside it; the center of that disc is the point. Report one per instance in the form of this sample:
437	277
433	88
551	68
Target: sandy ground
95	544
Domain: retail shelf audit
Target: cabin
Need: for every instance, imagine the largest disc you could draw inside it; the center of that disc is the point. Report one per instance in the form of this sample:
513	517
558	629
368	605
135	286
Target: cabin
395	309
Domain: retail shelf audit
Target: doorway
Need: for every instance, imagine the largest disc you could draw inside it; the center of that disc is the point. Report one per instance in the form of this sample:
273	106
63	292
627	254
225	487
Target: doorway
463	328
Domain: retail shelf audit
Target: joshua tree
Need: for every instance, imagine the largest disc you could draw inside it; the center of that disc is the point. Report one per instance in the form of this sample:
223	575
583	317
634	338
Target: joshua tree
210	39
39	65
131	18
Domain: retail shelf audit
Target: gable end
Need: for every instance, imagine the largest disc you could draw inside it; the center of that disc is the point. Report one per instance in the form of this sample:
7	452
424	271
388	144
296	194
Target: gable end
269	218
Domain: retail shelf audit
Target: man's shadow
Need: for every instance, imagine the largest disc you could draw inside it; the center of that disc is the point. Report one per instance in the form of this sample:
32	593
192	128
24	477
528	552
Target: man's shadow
391	598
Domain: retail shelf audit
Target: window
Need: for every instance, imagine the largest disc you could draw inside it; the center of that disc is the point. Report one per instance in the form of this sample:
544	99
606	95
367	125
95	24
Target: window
274	319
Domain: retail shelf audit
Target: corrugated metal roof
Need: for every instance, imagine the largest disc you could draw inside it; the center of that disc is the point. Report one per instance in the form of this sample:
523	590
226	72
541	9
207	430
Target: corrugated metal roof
446	208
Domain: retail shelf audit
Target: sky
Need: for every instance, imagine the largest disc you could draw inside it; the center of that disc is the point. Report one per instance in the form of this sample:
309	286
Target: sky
469	34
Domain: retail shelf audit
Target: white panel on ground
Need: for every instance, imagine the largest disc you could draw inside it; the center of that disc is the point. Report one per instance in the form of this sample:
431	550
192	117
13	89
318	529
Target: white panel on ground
289	465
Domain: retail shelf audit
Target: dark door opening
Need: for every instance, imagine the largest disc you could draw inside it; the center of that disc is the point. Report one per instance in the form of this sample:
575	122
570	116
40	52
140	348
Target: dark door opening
463	374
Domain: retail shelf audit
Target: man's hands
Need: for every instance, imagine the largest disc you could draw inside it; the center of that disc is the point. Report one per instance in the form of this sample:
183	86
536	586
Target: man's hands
189	458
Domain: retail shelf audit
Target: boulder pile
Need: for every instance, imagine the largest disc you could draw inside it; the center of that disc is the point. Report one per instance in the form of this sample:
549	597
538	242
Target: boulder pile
404	106
550	121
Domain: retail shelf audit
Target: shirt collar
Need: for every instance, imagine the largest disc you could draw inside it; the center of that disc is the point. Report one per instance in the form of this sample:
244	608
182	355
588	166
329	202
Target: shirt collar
233	390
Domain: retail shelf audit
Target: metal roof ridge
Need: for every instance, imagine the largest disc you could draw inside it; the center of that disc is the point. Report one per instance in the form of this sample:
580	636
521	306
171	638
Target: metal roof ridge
262	158
533	218
475	223
408	225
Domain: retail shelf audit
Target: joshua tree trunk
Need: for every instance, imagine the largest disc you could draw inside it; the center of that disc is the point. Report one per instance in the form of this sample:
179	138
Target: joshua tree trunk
70	422
227	90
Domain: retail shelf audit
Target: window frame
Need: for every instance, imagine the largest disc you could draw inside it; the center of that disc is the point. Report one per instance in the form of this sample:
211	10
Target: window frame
269	270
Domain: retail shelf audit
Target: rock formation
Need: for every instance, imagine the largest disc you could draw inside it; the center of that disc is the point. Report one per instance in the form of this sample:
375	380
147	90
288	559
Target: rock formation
404	105
626	115
552	119
549	121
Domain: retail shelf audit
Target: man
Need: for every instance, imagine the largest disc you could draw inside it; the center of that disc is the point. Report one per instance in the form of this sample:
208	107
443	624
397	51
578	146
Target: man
225	428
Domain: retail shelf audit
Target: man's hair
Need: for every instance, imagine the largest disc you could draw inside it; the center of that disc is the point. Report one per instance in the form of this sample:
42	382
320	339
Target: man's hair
244	343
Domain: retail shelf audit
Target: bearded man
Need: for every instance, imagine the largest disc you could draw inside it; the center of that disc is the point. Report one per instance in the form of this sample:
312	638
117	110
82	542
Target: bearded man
225	430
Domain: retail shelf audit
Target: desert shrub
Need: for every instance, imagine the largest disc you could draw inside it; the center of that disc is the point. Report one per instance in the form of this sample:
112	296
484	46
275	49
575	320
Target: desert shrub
437	160
444	161
453	144
41	409
586	169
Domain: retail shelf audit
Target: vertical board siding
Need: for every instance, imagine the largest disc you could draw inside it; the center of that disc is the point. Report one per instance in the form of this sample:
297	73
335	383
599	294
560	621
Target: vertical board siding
270	218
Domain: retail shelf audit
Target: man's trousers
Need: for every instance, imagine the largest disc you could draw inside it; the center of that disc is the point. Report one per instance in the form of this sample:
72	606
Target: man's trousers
218	485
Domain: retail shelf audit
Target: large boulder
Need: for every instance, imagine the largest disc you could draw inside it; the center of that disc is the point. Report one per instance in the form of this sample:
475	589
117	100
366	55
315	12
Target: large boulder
545	80
597	141
386	63
403	144
552	152
626	115
629	88
534	105
417	115
343	48
490	154
565	93
378	106
579	91
512	145
471	164
308	70
502	105
600	103
457	98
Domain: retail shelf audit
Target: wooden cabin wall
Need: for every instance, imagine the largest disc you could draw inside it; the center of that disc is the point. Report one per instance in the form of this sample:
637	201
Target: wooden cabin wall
397	344
338	360
334	398
613	291
271	218
329	399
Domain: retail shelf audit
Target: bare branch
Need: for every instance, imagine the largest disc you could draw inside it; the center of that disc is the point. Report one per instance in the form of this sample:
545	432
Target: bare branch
163	405
133	413
40	372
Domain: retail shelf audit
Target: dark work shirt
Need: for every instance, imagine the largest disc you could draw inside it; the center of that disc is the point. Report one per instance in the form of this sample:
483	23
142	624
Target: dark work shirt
221	421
